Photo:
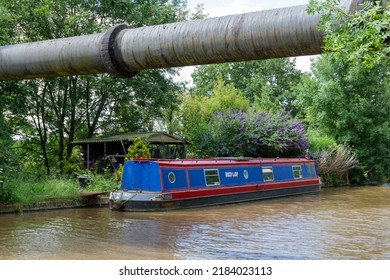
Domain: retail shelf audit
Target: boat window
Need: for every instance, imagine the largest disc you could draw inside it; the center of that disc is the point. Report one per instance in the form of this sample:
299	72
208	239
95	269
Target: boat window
171	177
246	174
211	177
297	171
268	174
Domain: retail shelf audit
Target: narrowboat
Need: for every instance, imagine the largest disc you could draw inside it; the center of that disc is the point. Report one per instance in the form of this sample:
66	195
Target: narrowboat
155	184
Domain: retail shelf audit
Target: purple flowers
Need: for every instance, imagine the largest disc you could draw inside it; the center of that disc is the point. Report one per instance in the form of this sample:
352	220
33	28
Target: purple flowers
255	134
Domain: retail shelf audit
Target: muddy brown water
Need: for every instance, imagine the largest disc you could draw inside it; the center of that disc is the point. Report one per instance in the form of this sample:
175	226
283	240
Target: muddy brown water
339	223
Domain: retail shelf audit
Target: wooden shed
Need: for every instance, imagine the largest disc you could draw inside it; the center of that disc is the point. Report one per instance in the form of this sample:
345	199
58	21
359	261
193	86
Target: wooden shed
160	144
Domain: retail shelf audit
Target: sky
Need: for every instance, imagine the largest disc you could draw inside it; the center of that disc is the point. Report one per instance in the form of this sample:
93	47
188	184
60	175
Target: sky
216	8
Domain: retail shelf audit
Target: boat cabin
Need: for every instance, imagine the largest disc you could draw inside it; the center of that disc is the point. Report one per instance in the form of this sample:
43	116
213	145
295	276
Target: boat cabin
185	175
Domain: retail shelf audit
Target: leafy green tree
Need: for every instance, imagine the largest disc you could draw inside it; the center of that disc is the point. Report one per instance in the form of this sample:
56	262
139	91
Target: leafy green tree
198	111
170	121
53	112
348	96
351	103
358	37
266	82
8	157
142	101
5	132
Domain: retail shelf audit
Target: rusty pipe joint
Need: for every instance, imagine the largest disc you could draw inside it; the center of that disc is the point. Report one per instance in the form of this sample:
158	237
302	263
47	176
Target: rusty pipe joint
110	52
79	55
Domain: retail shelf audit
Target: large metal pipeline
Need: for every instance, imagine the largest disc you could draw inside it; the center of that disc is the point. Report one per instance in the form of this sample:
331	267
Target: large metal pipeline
124	51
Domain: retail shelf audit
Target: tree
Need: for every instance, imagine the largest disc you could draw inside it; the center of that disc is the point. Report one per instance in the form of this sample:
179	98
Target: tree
6	155
53	112
352	104
198	111
142	99
358	37
348	95
266	82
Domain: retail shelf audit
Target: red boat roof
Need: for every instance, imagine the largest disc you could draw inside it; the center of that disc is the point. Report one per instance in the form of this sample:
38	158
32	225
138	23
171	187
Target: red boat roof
227	161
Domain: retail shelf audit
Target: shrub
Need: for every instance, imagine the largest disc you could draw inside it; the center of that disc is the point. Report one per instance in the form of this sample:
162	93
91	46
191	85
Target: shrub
6	194
334	163
253	134
319	141
137	150
73	166
100	183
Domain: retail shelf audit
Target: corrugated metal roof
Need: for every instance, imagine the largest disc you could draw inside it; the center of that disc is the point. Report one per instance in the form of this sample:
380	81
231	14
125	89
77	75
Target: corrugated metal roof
151	137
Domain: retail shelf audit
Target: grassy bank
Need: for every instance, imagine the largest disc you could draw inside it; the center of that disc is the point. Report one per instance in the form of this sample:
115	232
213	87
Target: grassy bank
26	189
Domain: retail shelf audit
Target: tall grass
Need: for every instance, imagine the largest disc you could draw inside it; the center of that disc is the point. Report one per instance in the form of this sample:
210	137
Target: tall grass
27	189
101	183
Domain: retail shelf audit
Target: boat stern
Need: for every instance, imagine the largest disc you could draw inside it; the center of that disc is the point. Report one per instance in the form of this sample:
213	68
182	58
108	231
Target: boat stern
140	182
119	199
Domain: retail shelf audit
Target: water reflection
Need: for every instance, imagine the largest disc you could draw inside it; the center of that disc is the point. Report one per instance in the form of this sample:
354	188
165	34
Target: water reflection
339	223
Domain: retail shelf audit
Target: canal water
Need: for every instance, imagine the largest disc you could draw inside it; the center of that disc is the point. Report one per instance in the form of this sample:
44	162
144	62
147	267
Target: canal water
345	223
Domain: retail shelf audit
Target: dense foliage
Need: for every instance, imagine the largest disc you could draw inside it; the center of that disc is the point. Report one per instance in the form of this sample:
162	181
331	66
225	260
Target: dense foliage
254	134
352	104
357	37
348	95
266	83
218	115
45	115
198	111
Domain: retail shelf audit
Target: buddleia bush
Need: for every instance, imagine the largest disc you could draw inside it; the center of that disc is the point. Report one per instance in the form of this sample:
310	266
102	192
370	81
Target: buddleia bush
254	134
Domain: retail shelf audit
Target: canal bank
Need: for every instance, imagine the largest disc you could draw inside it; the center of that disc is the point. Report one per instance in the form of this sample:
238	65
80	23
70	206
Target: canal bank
93	199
